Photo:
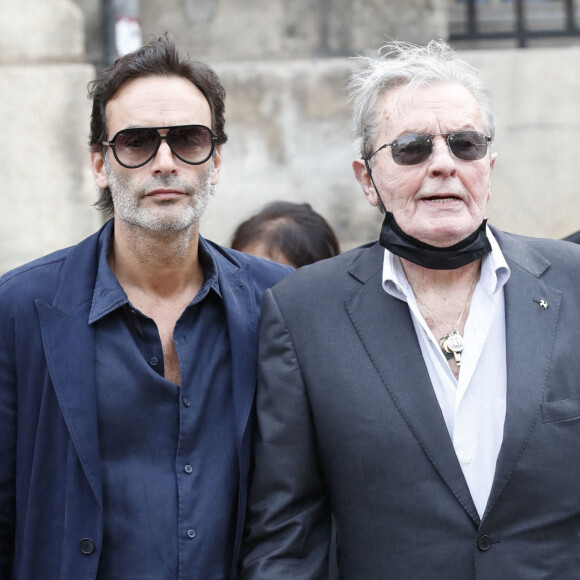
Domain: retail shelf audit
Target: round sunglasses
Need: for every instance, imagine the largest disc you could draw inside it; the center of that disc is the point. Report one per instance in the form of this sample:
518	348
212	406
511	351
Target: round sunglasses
193	144
414	149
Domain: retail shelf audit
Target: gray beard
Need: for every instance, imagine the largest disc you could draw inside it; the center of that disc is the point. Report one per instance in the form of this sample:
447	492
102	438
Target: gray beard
126	201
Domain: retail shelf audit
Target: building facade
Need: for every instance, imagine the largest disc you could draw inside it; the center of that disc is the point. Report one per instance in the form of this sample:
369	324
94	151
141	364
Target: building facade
285	65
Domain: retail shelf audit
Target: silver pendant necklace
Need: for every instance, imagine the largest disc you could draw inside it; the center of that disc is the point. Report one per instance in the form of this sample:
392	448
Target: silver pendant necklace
451	343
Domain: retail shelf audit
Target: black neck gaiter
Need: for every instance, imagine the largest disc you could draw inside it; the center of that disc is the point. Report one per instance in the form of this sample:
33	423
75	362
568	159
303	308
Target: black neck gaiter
394	239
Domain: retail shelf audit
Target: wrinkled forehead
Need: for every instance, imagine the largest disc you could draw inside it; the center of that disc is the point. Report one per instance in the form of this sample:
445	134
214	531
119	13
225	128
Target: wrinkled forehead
430	108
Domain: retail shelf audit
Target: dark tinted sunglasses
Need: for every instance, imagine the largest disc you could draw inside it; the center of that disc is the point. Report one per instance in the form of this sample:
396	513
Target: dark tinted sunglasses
414	149
193	144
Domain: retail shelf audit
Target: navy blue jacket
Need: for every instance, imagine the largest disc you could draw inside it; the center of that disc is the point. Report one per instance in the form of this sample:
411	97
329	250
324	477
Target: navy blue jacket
51	513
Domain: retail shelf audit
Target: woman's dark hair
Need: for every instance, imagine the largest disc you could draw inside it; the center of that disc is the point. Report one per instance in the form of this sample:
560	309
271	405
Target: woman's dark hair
293	230
158	58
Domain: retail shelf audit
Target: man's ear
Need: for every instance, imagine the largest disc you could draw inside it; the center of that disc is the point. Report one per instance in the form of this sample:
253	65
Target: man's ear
364	178
491	165
98	167
217	165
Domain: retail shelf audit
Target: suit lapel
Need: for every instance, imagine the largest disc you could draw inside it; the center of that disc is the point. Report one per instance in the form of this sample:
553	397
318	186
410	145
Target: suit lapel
530	331
69	349
384	325
242	320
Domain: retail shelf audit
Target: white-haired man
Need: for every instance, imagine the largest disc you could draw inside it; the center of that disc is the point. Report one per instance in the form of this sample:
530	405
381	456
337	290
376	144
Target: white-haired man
424	390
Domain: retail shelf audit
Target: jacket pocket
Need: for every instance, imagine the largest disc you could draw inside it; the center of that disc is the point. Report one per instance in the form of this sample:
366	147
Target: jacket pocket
563	410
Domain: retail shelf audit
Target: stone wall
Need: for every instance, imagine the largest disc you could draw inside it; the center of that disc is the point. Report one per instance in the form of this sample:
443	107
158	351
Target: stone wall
536	90
287	118
234	30
47	187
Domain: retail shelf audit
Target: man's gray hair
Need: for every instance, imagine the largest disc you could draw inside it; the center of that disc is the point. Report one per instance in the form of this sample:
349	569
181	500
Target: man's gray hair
404	64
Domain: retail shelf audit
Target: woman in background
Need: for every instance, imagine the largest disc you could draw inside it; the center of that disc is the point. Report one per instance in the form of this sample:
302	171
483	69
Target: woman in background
288	233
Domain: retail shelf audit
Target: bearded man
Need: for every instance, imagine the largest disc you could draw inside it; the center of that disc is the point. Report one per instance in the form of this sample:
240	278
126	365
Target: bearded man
128	362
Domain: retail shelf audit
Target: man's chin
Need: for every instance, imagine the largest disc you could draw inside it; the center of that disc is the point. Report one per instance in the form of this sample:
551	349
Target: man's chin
161	225
441	233
441	237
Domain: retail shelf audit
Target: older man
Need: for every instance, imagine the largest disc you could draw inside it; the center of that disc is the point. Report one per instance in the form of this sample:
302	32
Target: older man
128	362
424	390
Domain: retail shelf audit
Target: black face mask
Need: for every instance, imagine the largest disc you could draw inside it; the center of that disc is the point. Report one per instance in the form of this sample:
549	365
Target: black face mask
394	239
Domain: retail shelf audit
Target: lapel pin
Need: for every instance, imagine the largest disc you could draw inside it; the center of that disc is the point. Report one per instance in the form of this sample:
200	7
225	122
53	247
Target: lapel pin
542	303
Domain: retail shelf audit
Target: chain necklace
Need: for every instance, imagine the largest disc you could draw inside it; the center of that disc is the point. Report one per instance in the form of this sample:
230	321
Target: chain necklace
451	343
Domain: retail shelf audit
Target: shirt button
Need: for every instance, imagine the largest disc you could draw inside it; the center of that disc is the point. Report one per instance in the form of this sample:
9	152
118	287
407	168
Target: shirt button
153	361
186	401
191	534
188	469
484	543
87	546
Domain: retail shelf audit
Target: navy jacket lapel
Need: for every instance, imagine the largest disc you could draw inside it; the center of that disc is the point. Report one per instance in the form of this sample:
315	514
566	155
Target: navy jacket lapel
242	320
530	331
69	349
384	325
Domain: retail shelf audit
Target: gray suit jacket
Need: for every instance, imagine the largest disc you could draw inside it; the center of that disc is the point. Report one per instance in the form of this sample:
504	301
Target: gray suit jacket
348	422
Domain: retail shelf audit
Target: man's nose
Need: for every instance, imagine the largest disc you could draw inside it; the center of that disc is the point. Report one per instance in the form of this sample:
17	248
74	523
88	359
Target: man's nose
164	161
442	162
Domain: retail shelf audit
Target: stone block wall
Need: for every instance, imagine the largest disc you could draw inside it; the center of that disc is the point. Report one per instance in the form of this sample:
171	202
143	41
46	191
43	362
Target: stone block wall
534	189
234	30
286	115
47	187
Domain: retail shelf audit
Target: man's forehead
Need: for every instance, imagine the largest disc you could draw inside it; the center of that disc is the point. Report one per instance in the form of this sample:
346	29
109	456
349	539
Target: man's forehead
411	108
158	101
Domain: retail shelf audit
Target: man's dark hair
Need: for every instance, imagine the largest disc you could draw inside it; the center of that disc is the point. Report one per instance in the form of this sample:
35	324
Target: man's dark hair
158	58
293	230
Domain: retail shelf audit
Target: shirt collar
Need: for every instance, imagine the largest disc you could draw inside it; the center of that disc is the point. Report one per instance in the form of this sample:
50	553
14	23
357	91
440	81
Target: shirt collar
109	294
495	272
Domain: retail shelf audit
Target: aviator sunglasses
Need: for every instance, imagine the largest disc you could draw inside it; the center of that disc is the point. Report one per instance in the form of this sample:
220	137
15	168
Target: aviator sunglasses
193	144
414	149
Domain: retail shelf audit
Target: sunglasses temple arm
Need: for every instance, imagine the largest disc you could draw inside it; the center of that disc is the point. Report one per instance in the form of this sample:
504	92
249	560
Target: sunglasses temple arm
381	204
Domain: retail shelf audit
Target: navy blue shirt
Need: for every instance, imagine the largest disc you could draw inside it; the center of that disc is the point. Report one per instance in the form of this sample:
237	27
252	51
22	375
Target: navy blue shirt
169	462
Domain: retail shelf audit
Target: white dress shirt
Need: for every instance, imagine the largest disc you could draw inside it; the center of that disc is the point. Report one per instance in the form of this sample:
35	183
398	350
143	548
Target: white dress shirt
473	405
